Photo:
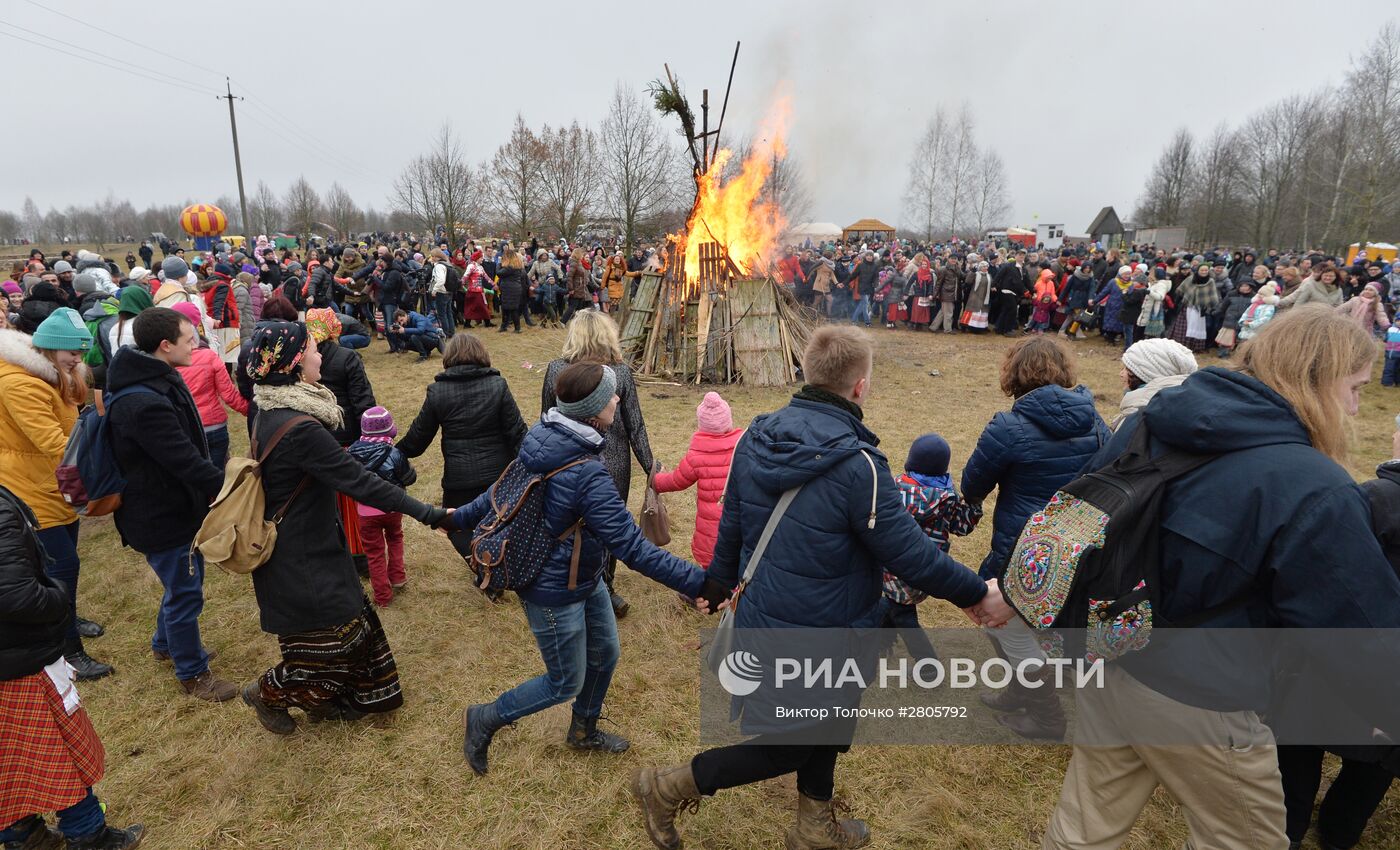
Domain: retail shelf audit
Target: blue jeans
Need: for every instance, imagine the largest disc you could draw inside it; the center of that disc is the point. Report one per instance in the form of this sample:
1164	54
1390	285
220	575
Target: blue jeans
61	545
218	445
390	311
354	341
1128	330
1390	374
860	311
442	305
177	624
578	643
79	820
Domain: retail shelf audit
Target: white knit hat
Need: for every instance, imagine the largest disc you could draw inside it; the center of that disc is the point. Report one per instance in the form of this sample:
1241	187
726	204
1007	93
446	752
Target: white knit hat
1158	358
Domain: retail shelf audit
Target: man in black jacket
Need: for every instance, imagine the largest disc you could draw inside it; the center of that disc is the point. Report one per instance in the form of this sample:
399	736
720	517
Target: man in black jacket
159	443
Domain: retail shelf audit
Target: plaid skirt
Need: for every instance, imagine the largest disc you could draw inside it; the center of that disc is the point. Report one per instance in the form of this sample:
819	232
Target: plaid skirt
48	757
349	665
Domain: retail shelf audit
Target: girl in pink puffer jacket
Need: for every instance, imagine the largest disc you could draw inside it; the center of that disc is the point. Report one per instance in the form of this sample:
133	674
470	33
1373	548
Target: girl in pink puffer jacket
707	462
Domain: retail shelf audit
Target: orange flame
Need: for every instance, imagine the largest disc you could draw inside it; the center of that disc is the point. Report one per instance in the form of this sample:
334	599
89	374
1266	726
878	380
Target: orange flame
740	214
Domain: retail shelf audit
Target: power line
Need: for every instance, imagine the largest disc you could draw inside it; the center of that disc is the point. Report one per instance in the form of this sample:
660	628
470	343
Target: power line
272	128
167	82
121	38
320	144
133	65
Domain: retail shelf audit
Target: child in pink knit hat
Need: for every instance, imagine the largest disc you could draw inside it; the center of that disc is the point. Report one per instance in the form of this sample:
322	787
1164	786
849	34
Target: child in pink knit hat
706	462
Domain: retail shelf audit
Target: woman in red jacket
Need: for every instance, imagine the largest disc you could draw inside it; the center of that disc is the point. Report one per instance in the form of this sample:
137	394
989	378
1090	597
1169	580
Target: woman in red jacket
209	383
707	462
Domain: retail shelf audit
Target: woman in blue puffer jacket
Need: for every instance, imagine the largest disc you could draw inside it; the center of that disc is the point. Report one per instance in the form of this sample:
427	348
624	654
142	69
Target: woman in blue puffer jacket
1035	448
573	621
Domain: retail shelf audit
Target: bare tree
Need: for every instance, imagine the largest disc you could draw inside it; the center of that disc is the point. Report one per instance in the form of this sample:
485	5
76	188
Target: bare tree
11	228
517	195
1373	103
31	219
991	203
233	211
1216	198
923	199
439	188
963	160
265	211
637	162
1272	142
1164	199
568	176
341	211
302	207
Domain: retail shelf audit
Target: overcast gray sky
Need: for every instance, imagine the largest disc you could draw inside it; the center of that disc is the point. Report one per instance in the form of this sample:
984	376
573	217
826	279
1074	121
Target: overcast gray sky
1078	97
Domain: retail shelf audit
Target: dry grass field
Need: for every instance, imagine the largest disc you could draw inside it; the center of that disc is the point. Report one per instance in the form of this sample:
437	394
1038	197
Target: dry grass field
208	776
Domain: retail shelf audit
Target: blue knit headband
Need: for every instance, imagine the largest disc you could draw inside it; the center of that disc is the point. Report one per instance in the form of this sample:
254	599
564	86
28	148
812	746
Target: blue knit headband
592	404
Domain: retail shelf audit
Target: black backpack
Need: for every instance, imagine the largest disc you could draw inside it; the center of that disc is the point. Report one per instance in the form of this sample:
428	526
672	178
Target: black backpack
454	279
1090	559
510	545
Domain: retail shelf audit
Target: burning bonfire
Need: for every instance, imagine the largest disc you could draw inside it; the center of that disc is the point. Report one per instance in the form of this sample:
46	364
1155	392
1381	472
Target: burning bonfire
717	312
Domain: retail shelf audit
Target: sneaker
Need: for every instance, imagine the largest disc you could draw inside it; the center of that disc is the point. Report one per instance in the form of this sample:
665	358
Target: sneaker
208	687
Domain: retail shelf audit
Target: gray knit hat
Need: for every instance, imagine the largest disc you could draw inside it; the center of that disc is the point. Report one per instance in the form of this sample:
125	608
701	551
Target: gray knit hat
175	269
592	404
84	283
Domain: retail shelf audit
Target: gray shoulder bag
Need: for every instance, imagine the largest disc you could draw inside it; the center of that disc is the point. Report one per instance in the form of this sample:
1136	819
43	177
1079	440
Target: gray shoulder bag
724	634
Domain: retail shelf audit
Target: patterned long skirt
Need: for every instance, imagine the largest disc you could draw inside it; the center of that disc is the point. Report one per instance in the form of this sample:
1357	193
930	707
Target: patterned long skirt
348	666
48	757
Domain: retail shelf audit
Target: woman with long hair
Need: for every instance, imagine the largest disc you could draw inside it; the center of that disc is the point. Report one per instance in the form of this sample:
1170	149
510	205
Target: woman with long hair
1272	532
43	382
513	286
591	336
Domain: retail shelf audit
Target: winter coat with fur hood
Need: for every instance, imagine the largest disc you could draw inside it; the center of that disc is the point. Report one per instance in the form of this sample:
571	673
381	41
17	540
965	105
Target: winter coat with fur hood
35	423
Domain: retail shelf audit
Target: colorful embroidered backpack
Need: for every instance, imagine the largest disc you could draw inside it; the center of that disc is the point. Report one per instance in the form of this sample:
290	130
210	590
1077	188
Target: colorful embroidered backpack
1090	559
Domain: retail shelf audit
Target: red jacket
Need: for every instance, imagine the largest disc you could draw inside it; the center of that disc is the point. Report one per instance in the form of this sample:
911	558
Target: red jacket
229	313
706	461
209	382
791	269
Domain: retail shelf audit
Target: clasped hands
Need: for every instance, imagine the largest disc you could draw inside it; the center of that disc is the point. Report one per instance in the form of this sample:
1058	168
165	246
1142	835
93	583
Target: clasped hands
992	611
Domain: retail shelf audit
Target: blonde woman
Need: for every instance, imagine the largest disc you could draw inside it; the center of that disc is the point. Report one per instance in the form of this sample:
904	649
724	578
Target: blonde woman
1297	552
592	337
42	383
512	285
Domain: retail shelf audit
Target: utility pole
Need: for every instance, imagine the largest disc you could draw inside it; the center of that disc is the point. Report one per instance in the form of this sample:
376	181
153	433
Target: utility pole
237	160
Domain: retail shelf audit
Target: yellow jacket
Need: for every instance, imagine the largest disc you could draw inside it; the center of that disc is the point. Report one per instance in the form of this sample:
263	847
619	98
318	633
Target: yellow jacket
35	423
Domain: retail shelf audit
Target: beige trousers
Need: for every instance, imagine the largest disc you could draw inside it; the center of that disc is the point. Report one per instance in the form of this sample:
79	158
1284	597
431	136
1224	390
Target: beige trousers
1228	785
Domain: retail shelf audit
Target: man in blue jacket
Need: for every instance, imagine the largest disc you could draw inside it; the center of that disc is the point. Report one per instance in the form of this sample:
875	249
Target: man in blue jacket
416	332
822	569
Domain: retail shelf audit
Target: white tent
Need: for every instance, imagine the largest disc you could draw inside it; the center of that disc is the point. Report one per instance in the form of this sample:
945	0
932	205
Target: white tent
814	230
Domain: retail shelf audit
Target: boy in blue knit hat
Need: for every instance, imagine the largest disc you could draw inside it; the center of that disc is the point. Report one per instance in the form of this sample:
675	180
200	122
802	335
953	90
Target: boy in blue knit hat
929	496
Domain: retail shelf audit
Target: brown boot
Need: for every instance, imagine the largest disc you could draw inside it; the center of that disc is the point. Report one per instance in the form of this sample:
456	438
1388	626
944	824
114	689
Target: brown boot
1044	717
818	828
1010	699
662	792
206	686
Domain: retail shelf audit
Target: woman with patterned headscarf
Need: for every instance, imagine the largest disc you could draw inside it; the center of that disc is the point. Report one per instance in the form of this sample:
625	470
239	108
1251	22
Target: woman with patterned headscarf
336	663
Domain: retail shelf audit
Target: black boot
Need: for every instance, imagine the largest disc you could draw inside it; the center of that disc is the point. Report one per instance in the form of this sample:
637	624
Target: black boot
584	734
110	838
39	837
481	722
87	668
89	629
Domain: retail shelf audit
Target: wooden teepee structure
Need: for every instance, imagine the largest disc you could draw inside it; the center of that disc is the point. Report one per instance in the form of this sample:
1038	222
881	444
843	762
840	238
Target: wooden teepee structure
714	323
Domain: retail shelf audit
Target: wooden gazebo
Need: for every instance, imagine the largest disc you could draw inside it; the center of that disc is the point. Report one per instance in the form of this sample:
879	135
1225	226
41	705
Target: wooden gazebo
866	228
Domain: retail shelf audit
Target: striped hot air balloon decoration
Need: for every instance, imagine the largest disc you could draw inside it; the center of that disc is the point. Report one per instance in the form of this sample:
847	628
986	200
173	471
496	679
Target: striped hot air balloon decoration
203	220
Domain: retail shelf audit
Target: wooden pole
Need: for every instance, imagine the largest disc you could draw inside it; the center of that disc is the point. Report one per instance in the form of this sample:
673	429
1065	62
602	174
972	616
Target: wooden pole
725	105
705	127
